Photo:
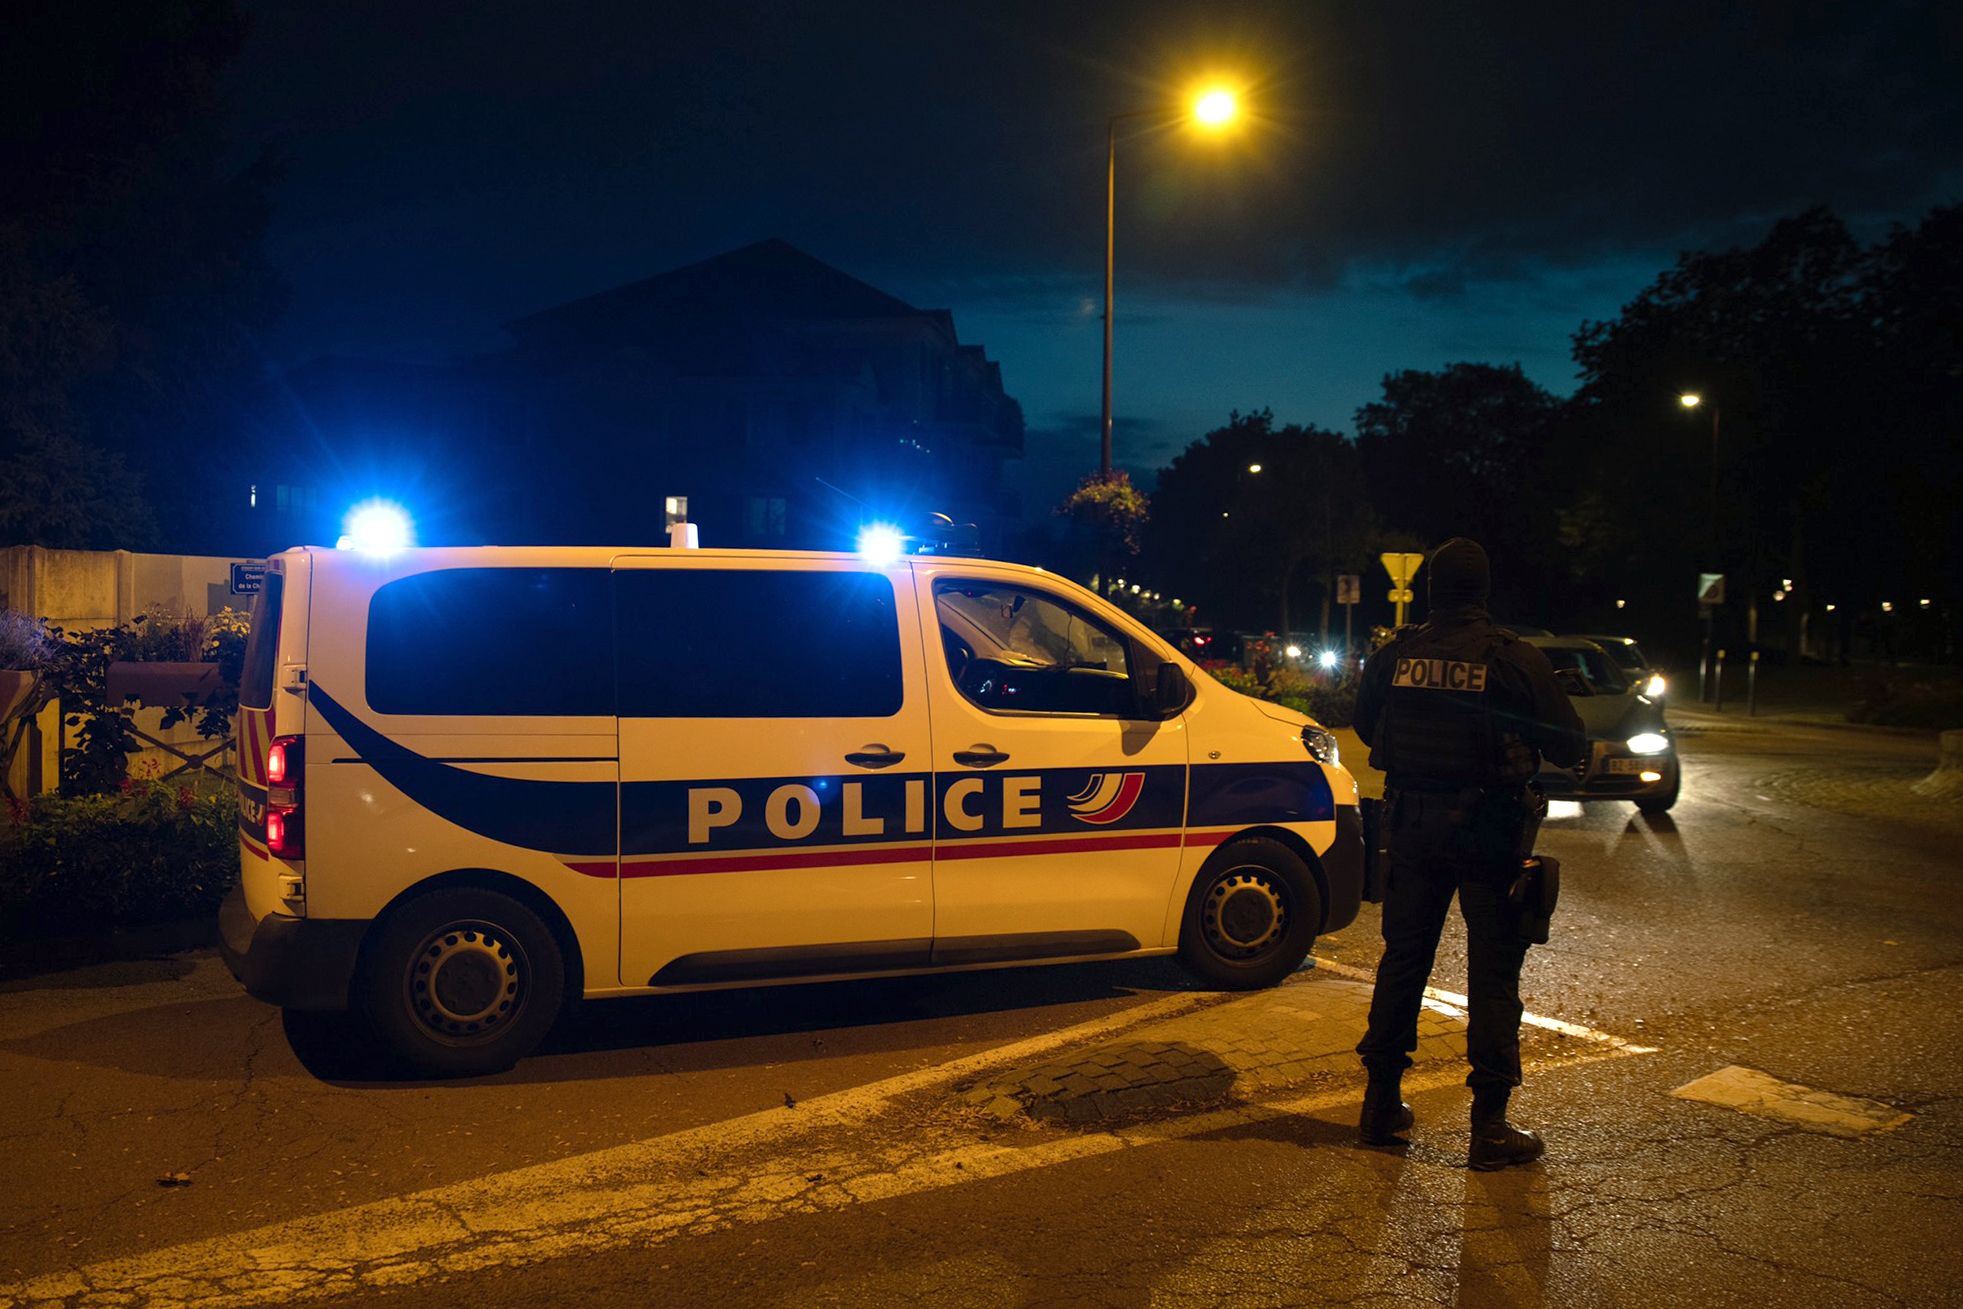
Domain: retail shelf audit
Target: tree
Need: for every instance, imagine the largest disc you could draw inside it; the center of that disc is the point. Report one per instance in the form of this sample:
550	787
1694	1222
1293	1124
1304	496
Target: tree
132	289
1257	549
1774	338
1470	451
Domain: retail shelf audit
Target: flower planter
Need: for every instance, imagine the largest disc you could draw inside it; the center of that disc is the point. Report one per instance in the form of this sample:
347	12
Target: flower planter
163	684
15	686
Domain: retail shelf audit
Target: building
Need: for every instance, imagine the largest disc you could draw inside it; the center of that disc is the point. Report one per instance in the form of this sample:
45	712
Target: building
763	394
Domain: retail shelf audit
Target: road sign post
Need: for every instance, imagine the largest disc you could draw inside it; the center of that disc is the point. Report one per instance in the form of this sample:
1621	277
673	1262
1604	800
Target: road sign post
1402	567
1710	594
1349	590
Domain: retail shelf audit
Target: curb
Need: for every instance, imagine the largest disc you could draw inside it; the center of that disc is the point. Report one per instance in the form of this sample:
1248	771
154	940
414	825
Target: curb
32	956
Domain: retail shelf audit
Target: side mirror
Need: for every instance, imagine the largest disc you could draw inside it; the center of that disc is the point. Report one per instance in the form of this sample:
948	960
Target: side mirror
1171	690
1572	681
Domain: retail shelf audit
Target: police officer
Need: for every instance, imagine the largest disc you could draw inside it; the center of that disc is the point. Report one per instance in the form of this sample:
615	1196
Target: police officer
1458	714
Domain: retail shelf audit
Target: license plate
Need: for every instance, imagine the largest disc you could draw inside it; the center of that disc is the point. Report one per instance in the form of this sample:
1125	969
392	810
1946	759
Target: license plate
1634	765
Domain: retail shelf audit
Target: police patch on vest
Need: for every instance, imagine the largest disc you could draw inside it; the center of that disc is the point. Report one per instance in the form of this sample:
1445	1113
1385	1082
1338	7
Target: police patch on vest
1440	675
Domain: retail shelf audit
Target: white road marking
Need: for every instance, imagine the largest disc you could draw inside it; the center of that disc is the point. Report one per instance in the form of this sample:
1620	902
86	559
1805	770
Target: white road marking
1452	1004
751	1169
637	1195
1750	1091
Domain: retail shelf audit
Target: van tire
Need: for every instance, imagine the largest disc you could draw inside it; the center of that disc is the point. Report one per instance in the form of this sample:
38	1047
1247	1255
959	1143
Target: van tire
1251	916
460	982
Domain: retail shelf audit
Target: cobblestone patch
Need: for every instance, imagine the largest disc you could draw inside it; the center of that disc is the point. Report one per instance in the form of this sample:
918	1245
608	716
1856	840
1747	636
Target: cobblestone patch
1249	1046
1879	793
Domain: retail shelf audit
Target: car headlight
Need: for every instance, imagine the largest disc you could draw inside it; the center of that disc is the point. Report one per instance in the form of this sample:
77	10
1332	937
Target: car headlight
1656	686
1648	743
1321	745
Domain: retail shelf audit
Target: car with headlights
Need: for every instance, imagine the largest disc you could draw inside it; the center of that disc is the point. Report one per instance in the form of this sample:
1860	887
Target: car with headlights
1635	665
1632	754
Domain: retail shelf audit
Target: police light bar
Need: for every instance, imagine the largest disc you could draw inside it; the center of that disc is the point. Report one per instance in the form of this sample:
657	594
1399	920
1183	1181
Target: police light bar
941	535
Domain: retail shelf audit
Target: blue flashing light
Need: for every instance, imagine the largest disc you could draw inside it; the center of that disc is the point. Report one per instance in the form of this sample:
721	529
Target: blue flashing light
377	527
881	543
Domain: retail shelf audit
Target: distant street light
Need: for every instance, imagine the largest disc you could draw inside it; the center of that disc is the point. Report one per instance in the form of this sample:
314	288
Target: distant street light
1214	109
1690	400
1254	468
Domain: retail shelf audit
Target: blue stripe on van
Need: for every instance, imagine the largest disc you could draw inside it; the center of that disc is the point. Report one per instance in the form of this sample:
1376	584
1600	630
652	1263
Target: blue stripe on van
563	817
578	818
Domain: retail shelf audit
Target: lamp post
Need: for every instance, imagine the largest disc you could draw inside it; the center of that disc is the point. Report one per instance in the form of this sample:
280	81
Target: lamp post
1213	109
1691	400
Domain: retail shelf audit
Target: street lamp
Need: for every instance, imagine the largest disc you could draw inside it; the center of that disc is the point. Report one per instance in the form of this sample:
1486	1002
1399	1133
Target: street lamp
1213	109
1690	400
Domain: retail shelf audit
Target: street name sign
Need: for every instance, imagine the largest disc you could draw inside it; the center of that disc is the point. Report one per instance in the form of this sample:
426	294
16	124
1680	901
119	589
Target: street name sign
248	579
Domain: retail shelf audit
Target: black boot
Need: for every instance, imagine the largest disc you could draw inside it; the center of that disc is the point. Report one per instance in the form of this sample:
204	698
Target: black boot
1497	1143
1384	1113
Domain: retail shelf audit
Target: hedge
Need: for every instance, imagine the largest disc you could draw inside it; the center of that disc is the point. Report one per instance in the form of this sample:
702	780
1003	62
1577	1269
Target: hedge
149	853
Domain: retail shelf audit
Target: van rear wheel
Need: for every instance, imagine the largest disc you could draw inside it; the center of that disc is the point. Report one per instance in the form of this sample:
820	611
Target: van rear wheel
1251	917
462	982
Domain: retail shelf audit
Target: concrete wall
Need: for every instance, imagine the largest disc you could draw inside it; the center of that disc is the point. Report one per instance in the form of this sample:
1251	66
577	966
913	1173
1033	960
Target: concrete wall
99	588
81	589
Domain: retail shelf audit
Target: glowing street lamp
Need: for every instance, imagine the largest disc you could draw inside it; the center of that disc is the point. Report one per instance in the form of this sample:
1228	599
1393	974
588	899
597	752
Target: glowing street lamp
1214	109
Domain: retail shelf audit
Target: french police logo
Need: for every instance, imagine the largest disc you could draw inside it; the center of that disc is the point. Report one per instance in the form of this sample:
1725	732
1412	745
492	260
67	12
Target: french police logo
1440	675
1107	797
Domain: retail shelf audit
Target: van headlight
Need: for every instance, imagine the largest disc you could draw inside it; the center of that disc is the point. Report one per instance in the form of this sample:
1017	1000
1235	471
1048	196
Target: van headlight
1656	686
1647	743
1321	745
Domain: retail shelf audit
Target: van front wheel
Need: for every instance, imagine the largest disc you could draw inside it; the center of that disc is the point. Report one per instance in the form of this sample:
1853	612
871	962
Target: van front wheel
462	982
1251	917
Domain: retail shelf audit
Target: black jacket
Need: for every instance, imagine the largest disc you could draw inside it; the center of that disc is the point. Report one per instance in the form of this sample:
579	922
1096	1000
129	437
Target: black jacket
1520	698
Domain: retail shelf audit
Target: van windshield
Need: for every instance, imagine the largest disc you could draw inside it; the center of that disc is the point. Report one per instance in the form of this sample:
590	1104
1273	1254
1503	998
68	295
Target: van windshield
262	644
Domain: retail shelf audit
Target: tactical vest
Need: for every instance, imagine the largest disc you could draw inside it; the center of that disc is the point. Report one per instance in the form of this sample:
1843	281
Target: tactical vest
1438	729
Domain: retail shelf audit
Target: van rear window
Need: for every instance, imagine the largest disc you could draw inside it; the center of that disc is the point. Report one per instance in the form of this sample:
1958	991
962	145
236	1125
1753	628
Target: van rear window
518	642
262	644
714	643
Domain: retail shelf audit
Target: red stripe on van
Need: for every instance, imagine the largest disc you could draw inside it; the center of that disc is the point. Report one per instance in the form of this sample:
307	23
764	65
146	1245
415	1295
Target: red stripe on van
838	857
998	849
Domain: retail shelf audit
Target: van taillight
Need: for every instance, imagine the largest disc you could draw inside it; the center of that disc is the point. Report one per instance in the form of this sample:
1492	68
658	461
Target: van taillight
286	833
279	761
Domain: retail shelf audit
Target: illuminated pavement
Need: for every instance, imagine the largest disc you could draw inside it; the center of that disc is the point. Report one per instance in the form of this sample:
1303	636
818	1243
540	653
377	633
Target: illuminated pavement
1767	954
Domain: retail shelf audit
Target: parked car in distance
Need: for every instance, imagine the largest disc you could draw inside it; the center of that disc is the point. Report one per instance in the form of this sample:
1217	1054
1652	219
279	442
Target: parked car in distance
1643	676
1631	753
1203	645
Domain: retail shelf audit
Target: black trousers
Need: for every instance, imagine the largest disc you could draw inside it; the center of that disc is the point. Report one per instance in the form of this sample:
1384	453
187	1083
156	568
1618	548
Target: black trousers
1437	847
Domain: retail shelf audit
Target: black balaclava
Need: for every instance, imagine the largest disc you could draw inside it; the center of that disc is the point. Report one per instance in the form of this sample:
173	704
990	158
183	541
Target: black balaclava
1458	575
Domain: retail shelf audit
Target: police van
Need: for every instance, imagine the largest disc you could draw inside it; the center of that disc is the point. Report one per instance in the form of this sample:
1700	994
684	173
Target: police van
476	782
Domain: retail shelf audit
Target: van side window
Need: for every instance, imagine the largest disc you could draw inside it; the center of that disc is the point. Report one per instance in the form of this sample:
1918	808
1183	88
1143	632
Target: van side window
262	643
1010	648
715	643
512	642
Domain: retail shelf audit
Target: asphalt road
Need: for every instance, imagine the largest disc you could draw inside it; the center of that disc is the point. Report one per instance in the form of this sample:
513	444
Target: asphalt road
1796	915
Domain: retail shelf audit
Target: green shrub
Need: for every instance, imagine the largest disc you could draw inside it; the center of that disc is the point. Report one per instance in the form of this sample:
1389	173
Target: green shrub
26	644
1330	701
1898	698
149	853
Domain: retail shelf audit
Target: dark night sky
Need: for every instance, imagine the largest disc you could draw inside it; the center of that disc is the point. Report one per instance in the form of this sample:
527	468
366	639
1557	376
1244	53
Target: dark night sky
1422	183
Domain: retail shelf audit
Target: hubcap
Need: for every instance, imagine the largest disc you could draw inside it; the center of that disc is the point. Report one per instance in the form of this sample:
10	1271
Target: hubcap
467	982
1244	913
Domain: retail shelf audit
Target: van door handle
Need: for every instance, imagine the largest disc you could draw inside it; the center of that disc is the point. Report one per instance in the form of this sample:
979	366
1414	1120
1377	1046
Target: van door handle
874	756
982	756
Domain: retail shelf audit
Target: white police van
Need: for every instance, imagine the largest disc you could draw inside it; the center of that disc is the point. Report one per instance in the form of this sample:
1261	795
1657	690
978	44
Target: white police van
474	782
